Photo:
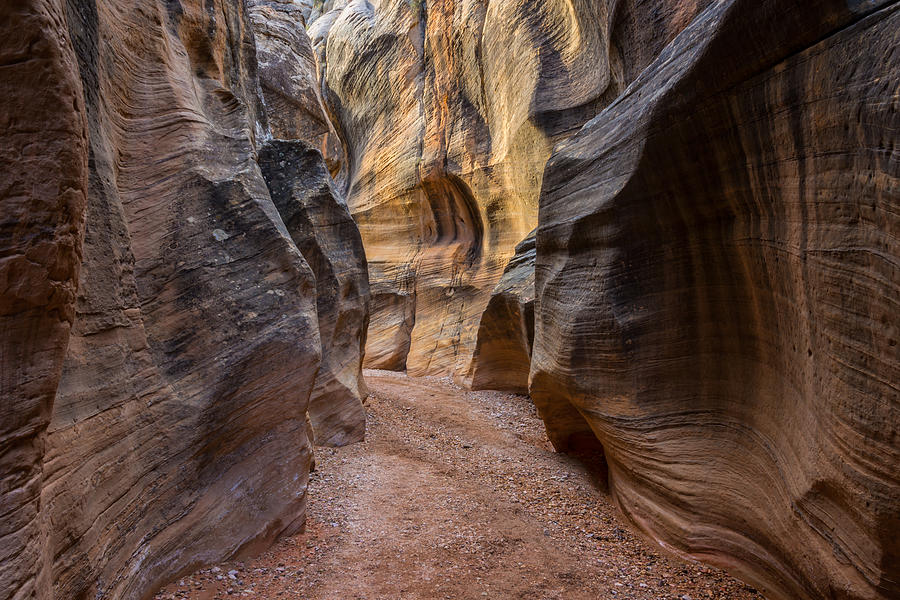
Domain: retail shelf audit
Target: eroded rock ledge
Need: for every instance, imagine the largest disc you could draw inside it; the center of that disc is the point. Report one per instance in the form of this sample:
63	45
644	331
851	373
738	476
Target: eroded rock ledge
321	226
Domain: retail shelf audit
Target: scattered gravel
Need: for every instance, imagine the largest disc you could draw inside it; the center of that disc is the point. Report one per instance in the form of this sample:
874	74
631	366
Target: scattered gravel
457	494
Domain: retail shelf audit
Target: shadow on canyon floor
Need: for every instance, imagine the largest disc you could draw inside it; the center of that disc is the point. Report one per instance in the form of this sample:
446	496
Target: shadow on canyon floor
457	494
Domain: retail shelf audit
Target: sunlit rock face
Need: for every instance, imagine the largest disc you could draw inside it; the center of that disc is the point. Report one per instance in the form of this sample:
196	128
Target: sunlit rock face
717	288
154	419
449	110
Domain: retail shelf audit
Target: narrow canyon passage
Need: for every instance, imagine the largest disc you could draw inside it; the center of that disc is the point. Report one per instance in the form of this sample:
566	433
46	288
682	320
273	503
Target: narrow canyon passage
456	494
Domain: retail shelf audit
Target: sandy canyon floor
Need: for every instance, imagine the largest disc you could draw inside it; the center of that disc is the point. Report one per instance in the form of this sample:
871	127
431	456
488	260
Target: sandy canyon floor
457	494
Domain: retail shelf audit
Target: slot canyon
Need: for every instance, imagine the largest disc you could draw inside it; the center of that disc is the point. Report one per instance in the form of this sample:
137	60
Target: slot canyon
351	299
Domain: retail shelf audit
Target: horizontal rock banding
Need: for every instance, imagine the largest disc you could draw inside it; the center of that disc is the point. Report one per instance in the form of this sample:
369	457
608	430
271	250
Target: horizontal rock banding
716	265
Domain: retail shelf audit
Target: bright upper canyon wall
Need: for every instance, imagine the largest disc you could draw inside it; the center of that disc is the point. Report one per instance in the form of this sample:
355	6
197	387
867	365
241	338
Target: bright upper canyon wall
718	290
162	328
449	111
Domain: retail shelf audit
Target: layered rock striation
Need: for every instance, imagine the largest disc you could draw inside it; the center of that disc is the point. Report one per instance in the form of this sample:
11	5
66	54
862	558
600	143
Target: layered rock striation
43	193
321	226
288	77
155	414
717	287
315	212
449	111
634	34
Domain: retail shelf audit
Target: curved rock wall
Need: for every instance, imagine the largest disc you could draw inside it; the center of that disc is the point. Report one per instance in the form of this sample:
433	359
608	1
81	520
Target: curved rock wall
502	357
450	110
320	224
43	192
157	420
717	290
288	77
315	213
636	33
179	430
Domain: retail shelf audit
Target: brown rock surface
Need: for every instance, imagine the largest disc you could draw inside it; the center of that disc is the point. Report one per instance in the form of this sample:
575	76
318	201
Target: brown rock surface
449	110
43	186
506	333
179	429
717	288
321	226
172	431
288	79
315	213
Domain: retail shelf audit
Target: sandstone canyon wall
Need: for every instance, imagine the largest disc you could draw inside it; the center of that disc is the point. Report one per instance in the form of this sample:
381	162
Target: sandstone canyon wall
502	357
321	226
449	110
717	291
288	75
157	419
315	213
43	193
634	34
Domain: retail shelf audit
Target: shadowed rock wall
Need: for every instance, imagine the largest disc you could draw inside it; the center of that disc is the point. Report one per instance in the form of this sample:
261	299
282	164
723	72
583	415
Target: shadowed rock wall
43	192
636	32
502	357
179	430
321	226
155	421
717	288
315	213
289	81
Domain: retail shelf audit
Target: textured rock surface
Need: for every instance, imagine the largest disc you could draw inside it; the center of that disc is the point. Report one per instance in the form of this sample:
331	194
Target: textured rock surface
717	287
319	222
449	110
179	430
42	198
506	333
172	430
288	78
314	212
318	8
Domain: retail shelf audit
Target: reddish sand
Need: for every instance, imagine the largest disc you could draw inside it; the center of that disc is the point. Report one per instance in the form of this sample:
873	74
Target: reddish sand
457	494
